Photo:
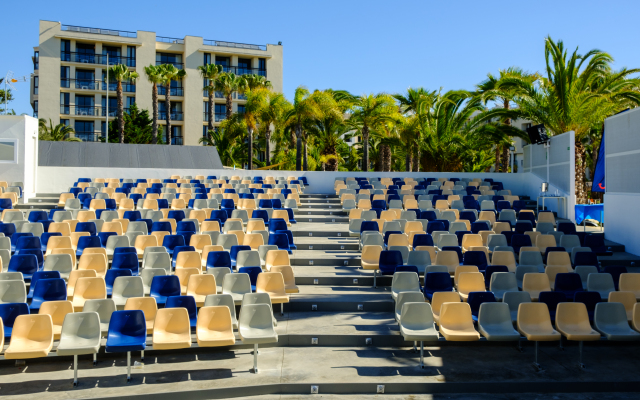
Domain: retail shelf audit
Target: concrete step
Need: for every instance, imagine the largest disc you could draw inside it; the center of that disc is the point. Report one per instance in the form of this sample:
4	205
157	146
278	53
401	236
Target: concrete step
326	257
321	211
38	199
322	219
338	232
341	299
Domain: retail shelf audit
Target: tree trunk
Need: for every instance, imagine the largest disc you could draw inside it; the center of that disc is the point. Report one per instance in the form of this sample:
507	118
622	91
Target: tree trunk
505	159
581	190
120	112
228	103
167	106
305	159
386	158
250	141
154	125
267	145
210	111
298	148
407	161
497	167
416	160
365	148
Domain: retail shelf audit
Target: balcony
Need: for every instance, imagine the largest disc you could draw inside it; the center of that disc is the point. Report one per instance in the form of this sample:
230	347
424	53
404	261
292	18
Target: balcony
113	86
177	141
85	111
89	136
175	64
89	58
217	117
243	71
208	42
241	96
83	84
113	111
174	91
99	31
164	39
175	116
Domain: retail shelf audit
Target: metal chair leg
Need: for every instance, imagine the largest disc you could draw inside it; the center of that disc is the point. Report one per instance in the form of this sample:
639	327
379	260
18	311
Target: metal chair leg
415	349
255	358
75	370
128	366
142	355
281	308
95	359
581	363
374	278
421	354
535	362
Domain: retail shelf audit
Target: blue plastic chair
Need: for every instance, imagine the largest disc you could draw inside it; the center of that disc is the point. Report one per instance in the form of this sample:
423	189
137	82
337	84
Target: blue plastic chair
39	256
132	216
227	205
27	264
171	241
164	286
478	226
8	229
163	203
265	203
422	239
228	190
186	226
381	204
520	240
389	260
5	204
40	275
187	302
219	215
25	241
476	299
37	216
587	258
569	284
503	205
589	299
86	242
186	235
596	242
127	332
371	226
468	215
519	205
178	215
87	227
161	226
289	234
104	237
477	258
291	215
281	240
233	253
492	269
523	226
218	259
75	191
615	271
429	215
277	224
551	299
253	273
50	289
126	261
407	268
111	275
9	312
110	204
436	225
262	214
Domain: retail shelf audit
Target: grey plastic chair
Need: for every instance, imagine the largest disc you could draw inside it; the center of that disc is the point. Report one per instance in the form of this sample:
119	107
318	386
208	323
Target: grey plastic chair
5	255
409	215
368	215
584	271
13	291
521	270
371	238
223	300
404	250
421	259
62	215
154	215
36	228
232	226
425	205
558	235
125	287
348	204
219	273
495	240
532	259
213	203
115	241
451	217
610	319
258	298
63	263
545	227
214	235
601	283
354	227
263	250
133	235
11	276
5	243
99	223
404	282
514	299
236	285
199	204
80	335
395	204
196	223
155	260
255	326
457	226
13	216
508	215
417	325
502	282
391	226
576	250
457	205
569	242
91	190
227	240
447	240
291	203
138	226
72	204
101	196
495	322
248	258
407	297
104	308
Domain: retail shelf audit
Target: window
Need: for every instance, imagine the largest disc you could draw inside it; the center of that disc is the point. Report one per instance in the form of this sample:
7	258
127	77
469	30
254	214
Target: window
85	79
9	151
131	56
207	59
130	101
244	66
87	101
83	128
176	136
220	112
36	81
65	50
85	48
64	122
205	132
224	61
167	58
35	109
36	60
241	109
113	106
64	103
262	64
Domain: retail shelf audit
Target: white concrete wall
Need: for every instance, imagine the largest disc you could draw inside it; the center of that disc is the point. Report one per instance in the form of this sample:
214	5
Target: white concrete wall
24	129
621	220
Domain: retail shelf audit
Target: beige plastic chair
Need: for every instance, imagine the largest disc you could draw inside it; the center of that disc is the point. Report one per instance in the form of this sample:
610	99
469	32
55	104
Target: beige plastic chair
255	326
456	323
438	299
552	271
544	241
199	242
188	259
96	262
534	323
80	335
113	226
200	286
253	240
470	282
471	240
171	329
32	337
63	227
561	258
534	283
417	325
183	275
273	284
277	257
506	258
461	269
630	282
225	300
148	306
448	258
73	278
75	236
144	241
215	326
572	320
57	310
88	288
288	276
628	299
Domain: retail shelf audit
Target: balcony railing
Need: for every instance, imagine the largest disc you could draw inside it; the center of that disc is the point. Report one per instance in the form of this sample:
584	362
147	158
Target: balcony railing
89	58
89	111
208	42
113	86
84	84
217	117
113	111
99	31
174	91
177	141
175	115
241	96
175	64
244	71
165	39
89	136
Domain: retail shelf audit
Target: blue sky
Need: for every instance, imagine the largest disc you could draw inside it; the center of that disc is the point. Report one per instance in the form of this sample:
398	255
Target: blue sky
360	46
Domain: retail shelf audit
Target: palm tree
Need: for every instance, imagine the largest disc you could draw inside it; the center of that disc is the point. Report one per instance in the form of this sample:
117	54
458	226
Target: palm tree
227	83
58	133
577	94
210	72
119	73
371	112
274	113
255	81
154	75
257	101
224	140
329	130
170	73
491	89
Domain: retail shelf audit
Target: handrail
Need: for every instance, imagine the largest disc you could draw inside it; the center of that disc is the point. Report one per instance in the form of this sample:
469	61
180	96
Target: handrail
99	31
209	42
165	39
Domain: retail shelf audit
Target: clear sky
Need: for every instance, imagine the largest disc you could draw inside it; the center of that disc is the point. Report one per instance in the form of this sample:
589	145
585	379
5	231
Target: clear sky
360	46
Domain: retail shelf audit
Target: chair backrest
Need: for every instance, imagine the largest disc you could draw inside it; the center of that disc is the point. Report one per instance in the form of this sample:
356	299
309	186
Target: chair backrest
456	316
270	282
103	307
236	283
534	317
407	297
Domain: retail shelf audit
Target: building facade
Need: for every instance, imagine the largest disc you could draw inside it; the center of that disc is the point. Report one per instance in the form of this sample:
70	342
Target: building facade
69	82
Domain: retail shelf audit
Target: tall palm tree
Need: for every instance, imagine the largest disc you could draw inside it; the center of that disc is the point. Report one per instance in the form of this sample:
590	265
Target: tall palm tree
329	130
257	101
227	83
210	72
371	112
119	73
224	140
273	114
576	94
58	133
154	75
491	89
255	81
170	73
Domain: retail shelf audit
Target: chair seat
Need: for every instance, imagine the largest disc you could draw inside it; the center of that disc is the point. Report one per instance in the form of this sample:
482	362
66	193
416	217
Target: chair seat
419	335
78	347
540	335
259	336
579	334
620	334
278	298
207	338
171	341
366	265
292	289
125	345
27	349
460	335
498	333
